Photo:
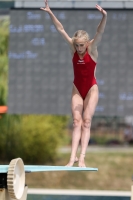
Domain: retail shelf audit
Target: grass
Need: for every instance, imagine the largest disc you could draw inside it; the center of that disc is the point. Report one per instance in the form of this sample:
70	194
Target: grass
115	172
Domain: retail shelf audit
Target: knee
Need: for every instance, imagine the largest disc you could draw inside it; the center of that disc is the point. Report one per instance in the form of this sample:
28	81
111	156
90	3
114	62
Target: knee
86	123
76	123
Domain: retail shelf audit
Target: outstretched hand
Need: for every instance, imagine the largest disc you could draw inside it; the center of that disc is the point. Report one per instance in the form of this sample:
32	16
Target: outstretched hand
101	10
46	6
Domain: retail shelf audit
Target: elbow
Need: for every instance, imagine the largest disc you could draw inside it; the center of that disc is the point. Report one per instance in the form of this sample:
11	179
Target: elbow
60	29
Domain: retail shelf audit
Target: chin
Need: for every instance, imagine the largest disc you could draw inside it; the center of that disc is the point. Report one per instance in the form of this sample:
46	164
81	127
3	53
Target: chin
80	52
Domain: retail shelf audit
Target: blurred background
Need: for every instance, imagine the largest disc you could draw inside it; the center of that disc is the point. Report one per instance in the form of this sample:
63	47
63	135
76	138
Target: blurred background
36	81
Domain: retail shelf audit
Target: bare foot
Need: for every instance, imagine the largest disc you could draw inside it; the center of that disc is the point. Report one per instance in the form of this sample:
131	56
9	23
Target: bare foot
71	162
81	160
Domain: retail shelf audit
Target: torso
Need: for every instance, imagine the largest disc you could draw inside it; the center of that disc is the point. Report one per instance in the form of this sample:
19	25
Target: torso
84	73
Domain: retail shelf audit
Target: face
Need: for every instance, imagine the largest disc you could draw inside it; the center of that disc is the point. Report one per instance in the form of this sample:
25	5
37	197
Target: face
81	45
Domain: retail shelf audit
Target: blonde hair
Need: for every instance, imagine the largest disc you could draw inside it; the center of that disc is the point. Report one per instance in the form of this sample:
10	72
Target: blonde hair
80	34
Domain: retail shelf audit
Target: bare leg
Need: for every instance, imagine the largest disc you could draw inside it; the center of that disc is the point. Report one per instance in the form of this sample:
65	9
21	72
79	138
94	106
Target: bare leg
77	108
90	104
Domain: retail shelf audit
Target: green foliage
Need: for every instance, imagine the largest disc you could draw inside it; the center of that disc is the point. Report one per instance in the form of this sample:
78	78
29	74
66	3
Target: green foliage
41	136
3	79
33	138
4	36
8	135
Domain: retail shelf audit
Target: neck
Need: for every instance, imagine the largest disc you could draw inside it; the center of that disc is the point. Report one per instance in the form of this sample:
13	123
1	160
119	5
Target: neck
82	54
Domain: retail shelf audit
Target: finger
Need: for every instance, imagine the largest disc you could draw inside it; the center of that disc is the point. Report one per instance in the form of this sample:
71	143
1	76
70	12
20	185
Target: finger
98	6
42	8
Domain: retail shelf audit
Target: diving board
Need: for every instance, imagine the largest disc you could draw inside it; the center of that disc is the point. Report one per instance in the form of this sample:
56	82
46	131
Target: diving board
12	177
45	168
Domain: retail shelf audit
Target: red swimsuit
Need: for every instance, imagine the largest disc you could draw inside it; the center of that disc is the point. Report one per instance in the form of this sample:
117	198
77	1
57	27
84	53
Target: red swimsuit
84	77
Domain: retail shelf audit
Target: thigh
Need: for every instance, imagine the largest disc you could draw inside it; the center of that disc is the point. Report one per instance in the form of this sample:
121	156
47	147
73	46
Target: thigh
76	104
90	102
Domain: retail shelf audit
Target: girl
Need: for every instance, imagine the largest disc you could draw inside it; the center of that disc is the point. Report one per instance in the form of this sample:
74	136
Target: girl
85	90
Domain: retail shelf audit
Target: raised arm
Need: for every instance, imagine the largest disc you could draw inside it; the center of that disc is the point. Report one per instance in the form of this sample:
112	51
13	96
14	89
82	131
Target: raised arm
100	28
58	25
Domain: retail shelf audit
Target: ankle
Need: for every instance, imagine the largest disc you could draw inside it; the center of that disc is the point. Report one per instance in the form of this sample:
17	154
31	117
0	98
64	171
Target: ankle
73	156
82	154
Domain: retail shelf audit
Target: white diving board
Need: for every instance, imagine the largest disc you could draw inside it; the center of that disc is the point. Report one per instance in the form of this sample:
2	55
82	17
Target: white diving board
44	168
